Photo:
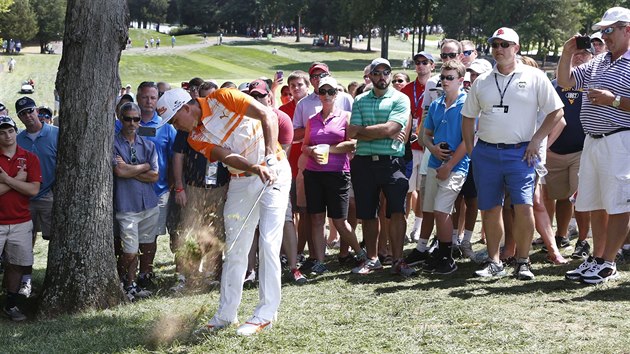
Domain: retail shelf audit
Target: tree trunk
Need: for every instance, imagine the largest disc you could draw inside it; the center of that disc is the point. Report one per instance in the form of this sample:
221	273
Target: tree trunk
81	271
369	43
384	41
299	28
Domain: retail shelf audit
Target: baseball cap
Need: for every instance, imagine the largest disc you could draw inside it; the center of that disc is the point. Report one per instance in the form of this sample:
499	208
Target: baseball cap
259	86
480	66
612	16
328	80
320	66
423	54
506	34
2	106
379	61
244	87
45	110
6	120
170	102
24	103
597	36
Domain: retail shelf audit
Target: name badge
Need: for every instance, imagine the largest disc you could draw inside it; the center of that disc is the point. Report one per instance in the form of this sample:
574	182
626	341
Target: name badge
500	109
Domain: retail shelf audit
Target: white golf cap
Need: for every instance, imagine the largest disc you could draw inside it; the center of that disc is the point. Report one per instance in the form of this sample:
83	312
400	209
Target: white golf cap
480	66
612	16
328	80
170	102
506	34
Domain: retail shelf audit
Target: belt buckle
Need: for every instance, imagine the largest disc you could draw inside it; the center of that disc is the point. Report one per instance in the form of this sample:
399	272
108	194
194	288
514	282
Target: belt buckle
375	157
501	146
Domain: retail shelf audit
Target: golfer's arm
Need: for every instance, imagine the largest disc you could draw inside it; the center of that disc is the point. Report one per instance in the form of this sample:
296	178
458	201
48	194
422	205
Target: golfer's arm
233	160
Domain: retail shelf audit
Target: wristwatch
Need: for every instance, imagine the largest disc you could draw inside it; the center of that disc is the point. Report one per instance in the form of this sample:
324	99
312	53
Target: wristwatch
617	102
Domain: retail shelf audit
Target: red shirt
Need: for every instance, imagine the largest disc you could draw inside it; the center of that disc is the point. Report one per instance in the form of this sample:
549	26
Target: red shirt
285	127
13	204
296	149
415	91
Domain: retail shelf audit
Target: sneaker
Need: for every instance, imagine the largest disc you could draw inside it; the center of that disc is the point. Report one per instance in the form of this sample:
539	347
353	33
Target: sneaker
491	269
445	266
523	271
137	292
456	251
367	267
600	272
307	265
180	285
301	258
26	289
250	278
297	277
254	325
318	268
146	280
467	251
582	250
402	268
215	324
430	265
416	257
386	259
284	261
15	314
433	245
576	274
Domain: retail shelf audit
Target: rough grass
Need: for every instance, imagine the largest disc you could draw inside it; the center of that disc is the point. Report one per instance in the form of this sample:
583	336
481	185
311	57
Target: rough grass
340	312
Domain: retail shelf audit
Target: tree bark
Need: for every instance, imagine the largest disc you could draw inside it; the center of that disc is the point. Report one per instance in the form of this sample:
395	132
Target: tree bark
81	272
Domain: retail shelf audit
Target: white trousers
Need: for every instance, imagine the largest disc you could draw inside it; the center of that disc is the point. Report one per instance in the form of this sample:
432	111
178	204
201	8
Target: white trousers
268	214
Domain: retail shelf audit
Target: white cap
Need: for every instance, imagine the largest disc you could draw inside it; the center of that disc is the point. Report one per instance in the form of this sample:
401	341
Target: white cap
506	34
380	61
328	80
597	35
480	66
170	102
612	16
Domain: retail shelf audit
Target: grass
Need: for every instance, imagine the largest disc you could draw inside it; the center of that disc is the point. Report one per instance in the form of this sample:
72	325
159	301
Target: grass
336	312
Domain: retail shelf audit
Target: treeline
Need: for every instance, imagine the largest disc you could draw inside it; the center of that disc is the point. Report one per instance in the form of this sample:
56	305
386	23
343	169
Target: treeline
27	20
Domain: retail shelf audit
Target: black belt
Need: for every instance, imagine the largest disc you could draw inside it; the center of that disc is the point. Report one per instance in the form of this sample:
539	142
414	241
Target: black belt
599	136
501	146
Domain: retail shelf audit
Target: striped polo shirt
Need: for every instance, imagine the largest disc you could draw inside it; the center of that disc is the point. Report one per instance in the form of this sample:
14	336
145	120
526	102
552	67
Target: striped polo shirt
603	73
368	109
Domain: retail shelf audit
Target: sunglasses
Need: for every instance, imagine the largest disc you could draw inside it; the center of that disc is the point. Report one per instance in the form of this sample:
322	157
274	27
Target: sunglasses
502	44
129	119
447	77
330	92
610	30
398	81
134	157
320	76
193	88
385	72
26	111
422	62
448	55
259	96
468	52
44	115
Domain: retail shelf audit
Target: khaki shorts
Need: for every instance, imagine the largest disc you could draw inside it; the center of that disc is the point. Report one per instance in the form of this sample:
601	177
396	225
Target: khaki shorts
41	213
17	243
136	228
440	195
163	205
562	175
415	179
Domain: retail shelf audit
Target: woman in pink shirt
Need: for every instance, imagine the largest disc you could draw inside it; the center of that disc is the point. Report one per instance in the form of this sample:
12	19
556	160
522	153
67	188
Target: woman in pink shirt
327	178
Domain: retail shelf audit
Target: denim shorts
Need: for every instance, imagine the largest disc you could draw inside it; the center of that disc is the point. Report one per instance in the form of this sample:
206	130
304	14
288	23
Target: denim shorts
498	170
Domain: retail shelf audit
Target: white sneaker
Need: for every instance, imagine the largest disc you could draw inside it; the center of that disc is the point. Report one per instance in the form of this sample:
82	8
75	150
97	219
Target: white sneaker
215	324
254	325
26	289
600	272
466	248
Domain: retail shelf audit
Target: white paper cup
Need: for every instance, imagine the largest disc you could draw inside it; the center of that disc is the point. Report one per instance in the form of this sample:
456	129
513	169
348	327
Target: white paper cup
322	149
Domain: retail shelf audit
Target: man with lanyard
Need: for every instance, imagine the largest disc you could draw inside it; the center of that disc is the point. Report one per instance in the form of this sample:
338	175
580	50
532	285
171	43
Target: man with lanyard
604	187
232	127
507	101
415	91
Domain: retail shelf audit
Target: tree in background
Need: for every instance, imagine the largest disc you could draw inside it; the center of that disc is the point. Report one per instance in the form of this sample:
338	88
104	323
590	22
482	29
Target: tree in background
4	5
19	22
50	16
81	272
148	11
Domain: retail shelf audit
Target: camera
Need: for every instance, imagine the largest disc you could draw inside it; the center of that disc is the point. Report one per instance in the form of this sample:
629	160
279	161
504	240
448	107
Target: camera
583	42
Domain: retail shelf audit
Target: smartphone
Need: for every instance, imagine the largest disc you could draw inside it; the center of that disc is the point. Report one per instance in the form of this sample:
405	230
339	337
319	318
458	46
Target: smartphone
185	85
146	131
279	74
583	42
444	145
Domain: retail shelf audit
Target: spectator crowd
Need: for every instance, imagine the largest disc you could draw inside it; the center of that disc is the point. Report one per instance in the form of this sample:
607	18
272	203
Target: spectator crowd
253	179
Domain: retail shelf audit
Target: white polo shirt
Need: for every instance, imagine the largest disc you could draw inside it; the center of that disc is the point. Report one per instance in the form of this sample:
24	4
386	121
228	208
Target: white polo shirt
527	91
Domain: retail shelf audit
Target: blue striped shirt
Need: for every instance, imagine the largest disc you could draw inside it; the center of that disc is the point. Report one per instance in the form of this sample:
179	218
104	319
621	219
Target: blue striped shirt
603	74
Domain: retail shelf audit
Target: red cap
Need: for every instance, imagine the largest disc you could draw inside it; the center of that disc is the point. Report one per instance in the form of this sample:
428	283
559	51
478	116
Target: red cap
320	66
259	86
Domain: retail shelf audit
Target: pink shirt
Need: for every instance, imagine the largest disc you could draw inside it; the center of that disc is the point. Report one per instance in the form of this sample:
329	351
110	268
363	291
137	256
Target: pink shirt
331	132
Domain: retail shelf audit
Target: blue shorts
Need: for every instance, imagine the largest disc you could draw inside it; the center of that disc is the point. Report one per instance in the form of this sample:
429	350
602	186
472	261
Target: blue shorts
497	170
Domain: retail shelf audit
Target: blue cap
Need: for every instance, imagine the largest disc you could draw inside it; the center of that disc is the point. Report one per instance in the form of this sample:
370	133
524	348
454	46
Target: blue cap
424	54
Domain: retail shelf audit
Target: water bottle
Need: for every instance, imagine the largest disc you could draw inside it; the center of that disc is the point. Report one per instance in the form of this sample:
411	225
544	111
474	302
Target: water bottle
211	174
397	144
540	168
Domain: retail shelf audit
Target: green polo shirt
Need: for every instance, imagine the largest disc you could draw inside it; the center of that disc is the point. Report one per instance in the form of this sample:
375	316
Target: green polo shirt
369	109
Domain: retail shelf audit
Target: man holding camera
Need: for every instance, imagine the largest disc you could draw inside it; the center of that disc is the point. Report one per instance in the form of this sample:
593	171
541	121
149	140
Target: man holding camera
604	187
